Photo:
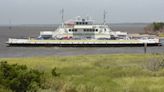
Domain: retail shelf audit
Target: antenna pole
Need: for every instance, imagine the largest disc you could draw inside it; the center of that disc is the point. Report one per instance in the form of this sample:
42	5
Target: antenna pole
104	17
10	25
62	12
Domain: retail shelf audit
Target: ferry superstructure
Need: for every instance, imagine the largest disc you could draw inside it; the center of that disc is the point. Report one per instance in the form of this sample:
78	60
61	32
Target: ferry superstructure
81	28
83	32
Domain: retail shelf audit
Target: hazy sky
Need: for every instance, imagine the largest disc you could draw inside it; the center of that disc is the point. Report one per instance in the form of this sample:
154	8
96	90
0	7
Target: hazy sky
48	11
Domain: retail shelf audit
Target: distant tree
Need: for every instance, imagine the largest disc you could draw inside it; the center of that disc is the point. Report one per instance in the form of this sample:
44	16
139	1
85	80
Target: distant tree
155	27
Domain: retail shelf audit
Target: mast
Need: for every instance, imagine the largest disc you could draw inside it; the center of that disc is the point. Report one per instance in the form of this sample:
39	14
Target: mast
62	16
104	17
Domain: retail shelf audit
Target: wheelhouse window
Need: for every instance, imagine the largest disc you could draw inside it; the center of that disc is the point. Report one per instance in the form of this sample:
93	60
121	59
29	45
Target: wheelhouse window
82	23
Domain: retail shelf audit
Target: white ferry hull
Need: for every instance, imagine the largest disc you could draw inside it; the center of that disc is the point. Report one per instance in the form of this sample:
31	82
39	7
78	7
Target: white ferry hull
80	43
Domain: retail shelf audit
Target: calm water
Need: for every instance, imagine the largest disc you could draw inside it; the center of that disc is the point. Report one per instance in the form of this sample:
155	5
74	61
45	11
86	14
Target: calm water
18	32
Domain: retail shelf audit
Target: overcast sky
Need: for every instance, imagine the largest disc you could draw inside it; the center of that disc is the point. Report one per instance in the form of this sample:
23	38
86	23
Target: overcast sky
48	11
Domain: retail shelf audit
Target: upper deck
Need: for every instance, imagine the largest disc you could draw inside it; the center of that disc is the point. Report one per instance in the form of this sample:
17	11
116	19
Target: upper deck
80	21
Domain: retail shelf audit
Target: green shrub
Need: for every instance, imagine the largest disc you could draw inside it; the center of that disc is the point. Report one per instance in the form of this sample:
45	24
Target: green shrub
3	89
18	78
54	73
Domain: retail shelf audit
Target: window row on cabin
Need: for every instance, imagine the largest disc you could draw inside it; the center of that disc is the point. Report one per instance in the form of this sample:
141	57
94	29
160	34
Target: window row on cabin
85	30
90	30
81	23
72	30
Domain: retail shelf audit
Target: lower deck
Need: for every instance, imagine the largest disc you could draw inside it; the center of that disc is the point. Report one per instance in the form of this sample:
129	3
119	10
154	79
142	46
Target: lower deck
79	43
82	45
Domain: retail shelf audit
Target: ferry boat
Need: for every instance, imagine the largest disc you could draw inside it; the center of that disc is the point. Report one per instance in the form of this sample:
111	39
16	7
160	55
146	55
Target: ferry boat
81	31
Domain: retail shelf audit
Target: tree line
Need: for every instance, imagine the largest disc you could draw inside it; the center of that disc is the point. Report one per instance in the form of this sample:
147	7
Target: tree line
156	27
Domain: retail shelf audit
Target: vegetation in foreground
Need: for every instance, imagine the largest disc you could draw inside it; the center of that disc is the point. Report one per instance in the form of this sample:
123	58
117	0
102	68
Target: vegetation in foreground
18	78
91	73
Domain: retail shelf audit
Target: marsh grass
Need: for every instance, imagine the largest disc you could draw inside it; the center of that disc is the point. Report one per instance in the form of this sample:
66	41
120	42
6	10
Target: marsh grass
100	73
